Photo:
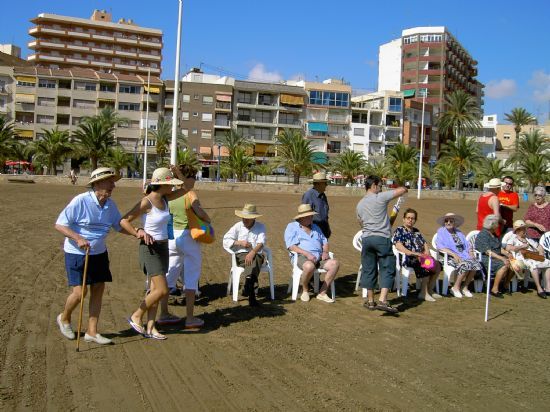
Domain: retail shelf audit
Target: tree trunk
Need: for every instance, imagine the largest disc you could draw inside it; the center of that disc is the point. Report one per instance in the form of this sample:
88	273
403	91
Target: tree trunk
94	162
296	178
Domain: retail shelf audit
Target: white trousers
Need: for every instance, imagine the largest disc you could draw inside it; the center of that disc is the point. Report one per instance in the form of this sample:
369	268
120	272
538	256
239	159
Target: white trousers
185	260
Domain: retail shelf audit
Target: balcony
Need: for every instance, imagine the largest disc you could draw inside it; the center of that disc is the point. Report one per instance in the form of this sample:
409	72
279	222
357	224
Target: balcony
79	34
222	106
222	124
76	47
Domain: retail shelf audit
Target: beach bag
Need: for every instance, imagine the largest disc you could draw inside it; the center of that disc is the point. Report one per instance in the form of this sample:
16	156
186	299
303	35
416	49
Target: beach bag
527	254
201	231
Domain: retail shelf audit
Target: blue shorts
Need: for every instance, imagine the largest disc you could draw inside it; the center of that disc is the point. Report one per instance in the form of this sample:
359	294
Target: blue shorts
98	269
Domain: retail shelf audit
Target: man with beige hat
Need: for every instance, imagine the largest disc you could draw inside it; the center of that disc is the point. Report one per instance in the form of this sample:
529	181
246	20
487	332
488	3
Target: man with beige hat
488	203
306	239
317	198
247	239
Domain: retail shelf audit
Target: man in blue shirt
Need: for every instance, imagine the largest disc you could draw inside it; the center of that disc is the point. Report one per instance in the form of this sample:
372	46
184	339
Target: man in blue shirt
306	239
85	222
317	198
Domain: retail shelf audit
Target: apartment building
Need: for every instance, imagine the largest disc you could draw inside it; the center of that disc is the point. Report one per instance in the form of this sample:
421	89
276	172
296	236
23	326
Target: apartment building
506	137
62	42
376	122
48	98
263	110
486	136
428	58
412	129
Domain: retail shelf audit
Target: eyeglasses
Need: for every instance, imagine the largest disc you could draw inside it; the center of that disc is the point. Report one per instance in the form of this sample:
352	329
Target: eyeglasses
509	183
538	195
449	221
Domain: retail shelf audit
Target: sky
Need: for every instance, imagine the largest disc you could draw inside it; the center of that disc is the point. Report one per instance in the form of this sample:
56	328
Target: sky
319	39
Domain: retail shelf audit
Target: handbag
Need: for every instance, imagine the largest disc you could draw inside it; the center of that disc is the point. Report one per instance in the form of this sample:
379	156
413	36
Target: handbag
201	231
527	254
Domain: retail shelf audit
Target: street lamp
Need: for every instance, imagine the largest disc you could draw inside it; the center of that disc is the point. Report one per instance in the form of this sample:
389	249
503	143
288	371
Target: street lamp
424	93
176	88
219	159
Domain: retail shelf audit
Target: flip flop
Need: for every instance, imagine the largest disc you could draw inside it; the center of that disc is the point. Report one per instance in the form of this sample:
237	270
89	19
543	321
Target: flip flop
156	336
195	325
139	329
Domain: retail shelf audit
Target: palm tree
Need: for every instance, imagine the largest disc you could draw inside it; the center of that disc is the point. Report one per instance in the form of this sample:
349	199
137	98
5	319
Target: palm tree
531	143
461	117
350	164
233	140
188	158
294	153
446	173
94	139
119	159
52	149
109	117
263	169
463	154
403	172
239	163
534	169
163	137
6	138
401	160
377	168
486	169
519	117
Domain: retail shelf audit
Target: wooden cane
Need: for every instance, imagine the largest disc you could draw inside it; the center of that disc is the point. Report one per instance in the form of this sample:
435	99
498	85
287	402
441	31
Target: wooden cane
82	298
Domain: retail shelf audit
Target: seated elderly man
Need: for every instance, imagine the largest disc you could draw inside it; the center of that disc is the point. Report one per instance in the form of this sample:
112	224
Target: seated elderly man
247	239
307	240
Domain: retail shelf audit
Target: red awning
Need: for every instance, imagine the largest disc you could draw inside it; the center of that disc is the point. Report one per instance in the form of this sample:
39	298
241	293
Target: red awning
223	97
17	162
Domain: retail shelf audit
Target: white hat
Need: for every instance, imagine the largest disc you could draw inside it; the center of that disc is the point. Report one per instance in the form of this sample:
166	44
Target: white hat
304	210
459	220
102	173
519	224
163	176
494	183
319	177
248	212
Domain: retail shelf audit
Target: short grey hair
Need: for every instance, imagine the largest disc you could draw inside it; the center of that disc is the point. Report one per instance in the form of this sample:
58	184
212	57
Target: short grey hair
490	222
540	190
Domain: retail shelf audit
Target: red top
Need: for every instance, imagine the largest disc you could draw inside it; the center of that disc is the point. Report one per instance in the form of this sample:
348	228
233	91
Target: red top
508	199
539	215
483	210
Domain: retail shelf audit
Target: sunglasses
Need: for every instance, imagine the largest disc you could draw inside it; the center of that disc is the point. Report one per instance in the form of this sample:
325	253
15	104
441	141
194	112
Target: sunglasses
449	221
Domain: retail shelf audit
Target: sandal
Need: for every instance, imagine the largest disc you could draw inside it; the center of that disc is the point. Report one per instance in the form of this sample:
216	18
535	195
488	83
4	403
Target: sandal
154	335
138	328
370	305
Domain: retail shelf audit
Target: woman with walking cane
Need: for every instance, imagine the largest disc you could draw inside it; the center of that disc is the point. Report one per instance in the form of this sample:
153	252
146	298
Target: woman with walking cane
85	222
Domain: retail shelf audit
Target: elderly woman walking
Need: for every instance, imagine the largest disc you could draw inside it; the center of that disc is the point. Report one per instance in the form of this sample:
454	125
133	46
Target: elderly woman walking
153	249
452	241
85	222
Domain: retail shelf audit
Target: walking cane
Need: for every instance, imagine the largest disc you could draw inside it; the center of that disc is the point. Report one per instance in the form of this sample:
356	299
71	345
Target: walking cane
82	298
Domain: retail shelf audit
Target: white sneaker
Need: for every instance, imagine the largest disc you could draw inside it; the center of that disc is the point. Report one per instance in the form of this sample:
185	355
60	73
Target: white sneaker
456	293
304	297
436	295
101	340
324	297
467	293
65	329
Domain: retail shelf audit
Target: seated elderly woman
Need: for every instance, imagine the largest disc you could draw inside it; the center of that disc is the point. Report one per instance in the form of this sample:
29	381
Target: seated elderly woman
488	244
517	244
408	240
452	241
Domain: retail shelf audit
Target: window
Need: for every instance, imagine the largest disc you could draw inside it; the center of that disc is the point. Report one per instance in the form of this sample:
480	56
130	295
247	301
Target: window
184	115
90	87
506	136
83	104
196	96
244	97
244	115
262	134
2	102
186	98
206	117
359	131
126	88
328	98
105	87
129	106
46	101
263	117
49	84
24	83
206	134
208	100
194	131
44	119
2	86
195	114
85	86
288	118
395	104
185	132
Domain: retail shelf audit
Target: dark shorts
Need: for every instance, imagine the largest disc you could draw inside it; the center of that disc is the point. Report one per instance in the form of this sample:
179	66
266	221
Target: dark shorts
153	259
98	269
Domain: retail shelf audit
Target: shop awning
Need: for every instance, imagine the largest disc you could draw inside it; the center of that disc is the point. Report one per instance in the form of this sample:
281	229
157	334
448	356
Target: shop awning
24	133
317	127
319	158
24	98
26	79
409	93
153	89
223	97
291	99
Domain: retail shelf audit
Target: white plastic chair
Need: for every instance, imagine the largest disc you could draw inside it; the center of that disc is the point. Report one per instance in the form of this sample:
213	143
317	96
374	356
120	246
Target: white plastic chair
402	274
294	284
504	242
544	241
236	271
448	270
471	238
358	245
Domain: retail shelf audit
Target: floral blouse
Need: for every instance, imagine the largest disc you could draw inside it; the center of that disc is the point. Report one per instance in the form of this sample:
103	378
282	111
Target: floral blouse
539	215
412	240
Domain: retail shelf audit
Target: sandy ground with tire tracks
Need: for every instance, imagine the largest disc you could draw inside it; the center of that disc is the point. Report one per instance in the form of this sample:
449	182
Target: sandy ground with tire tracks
283	356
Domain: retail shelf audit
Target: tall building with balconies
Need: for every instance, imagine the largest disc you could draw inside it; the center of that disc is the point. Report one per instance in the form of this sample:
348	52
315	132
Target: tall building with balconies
97	43
428	58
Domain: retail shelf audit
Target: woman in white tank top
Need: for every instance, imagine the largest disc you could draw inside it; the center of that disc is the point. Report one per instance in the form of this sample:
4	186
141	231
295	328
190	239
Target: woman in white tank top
153	249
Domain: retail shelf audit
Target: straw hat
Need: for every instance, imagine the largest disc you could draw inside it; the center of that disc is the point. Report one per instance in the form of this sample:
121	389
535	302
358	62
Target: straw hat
304	210
494	183
102	173
459	220
519	224
320	177
163	176
248	212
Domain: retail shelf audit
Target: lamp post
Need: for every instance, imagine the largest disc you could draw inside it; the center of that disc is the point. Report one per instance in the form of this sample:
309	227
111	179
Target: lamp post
219	159
424	93
176	88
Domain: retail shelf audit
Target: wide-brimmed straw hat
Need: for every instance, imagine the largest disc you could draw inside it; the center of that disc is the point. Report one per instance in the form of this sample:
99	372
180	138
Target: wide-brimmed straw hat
102	173
459	220
519	224
320	177
248	212
163	176
304	210
494	183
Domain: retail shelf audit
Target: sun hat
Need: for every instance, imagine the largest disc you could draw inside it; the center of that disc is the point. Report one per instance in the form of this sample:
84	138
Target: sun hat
102	173
304	210
459	220
248	212
319	177
163	176
519	224
494	183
